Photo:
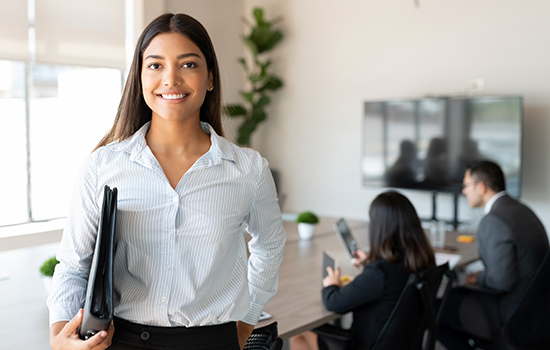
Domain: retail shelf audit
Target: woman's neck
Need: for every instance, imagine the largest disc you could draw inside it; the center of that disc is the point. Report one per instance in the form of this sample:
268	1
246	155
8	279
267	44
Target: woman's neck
182	136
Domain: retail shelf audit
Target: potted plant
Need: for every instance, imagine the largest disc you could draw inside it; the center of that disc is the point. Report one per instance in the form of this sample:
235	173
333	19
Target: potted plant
261	82
47	269
306	224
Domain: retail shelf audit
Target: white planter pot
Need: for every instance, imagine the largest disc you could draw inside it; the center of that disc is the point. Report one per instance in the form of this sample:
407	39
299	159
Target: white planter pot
306	230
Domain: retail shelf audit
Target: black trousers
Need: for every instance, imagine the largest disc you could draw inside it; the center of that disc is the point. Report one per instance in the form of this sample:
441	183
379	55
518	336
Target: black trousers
463	318
130	335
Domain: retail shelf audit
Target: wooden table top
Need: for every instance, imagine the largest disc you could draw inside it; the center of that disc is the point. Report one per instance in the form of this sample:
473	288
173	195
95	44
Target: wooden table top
297	306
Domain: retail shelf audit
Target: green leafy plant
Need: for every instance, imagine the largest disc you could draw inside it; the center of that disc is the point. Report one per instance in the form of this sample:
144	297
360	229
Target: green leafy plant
307	217
48	267
261	39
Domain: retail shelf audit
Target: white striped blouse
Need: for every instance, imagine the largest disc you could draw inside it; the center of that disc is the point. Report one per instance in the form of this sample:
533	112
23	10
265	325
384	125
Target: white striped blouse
180	257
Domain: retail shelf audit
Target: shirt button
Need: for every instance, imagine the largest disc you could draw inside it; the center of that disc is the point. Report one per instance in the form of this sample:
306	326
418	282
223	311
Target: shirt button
163	299
169	234
145	335
167	267
175	200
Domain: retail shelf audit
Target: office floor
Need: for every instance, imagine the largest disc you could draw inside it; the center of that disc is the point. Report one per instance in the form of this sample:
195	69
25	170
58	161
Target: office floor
23	311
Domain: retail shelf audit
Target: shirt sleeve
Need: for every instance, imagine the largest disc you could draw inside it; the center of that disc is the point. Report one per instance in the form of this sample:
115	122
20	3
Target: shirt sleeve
76	250
266	247
365	288
498	252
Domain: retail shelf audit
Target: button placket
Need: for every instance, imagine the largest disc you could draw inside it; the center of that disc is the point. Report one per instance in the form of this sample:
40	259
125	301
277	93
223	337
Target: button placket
168	250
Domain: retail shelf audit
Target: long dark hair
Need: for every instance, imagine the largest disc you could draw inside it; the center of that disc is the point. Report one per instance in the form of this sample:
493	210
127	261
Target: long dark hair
396	235
133	112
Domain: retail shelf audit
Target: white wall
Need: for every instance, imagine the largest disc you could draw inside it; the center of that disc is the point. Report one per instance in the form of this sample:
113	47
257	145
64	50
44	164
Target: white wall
337	54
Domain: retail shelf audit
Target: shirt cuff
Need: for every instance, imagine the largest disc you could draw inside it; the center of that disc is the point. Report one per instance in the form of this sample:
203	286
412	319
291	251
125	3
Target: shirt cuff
62	312
253	314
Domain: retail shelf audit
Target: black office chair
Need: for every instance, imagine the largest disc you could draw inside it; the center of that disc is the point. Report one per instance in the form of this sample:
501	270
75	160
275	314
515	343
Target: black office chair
433	278
412	315
527	328
264	338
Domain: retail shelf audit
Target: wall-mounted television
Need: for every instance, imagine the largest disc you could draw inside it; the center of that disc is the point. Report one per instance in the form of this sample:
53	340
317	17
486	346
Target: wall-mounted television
425	144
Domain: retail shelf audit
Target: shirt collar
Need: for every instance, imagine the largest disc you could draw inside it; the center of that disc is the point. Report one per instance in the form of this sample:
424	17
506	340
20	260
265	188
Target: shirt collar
492	201
220	148
136	144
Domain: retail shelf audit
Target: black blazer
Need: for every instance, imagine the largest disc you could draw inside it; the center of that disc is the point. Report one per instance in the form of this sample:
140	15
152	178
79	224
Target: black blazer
512	243
371	296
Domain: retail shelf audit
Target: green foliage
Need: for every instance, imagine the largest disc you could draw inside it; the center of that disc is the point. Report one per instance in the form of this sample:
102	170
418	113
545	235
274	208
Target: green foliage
261	39
307	217
48	267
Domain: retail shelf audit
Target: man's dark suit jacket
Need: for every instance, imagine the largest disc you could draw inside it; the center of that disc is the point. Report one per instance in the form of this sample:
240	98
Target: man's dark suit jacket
512	243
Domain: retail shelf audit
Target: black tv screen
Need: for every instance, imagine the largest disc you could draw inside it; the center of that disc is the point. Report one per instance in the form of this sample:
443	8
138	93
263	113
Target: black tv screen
425	144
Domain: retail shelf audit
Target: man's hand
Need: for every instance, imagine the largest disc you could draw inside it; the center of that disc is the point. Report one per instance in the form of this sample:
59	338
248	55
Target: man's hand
333	278
64	336
243	332
471	279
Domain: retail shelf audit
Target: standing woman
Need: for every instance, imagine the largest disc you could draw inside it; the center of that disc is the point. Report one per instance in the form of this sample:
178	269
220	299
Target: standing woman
398	246
182	279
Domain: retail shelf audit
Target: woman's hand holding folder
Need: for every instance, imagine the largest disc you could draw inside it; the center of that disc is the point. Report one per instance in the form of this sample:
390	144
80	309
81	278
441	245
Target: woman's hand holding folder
64	336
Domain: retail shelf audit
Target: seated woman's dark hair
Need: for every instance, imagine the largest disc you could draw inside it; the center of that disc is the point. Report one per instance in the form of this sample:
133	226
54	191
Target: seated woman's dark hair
396	235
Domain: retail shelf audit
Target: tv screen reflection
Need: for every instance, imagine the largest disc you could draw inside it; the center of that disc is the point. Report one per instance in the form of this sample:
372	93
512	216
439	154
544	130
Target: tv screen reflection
426	144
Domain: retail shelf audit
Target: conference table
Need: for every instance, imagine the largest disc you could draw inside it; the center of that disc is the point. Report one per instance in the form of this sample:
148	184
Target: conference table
297	306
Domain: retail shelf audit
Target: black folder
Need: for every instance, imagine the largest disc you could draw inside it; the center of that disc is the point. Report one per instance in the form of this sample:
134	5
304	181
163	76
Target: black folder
98	307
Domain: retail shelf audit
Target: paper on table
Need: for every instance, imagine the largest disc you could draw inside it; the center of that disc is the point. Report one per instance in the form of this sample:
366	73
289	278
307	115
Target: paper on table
442	258
264	316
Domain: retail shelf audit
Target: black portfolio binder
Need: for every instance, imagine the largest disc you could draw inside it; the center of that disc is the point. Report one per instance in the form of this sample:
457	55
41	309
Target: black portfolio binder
98	307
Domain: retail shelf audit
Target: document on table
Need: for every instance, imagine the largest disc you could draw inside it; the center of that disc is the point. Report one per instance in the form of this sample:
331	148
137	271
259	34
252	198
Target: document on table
442	258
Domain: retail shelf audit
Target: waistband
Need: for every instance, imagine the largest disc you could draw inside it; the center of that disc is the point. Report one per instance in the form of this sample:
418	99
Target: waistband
222	336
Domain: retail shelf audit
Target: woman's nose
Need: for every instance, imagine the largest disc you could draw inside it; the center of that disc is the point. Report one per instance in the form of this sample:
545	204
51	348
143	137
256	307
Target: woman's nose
172	77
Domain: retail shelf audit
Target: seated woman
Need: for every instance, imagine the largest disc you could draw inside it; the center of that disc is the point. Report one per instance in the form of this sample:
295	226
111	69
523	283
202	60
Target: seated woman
398	246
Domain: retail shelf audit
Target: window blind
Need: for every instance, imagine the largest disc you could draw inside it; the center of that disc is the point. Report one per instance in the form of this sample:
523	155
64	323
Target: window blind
80	32
13	30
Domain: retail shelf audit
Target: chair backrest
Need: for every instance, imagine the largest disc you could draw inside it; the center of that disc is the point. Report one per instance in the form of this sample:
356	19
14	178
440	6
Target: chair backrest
529	326
413	313
264	338
432	279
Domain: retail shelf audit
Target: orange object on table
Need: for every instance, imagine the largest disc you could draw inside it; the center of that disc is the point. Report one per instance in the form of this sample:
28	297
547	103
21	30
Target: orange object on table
466	238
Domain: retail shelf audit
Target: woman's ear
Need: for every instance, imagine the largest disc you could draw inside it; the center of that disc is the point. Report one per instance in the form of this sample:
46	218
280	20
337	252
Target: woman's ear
210	82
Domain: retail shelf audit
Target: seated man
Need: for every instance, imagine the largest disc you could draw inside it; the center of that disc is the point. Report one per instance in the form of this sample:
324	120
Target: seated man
512	244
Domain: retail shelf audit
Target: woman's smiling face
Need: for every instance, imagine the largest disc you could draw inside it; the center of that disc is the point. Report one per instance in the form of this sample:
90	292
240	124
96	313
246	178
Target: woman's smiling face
174	77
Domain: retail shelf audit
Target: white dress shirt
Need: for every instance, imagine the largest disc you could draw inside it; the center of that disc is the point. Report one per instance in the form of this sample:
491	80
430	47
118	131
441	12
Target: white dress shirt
180	256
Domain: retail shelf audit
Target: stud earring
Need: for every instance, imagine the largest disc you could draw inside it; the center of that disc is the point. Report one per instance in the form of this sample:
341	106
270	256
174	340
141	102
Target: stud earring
211	88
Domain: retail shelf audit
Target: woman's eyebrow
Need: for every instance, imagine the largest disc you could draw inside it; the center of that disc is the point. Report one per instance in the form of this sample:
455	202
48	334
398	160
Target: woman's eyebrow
185	55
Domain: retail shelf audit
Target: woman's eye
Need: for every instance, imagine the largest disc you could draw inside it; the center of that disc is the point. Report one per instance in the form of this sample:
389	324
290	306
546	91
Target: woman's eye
154	66
189	65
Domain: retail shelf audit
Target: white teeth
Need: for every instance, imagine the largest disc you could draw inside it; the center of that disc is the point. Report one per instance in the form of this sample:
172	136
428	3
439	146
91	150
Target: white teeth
173	97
